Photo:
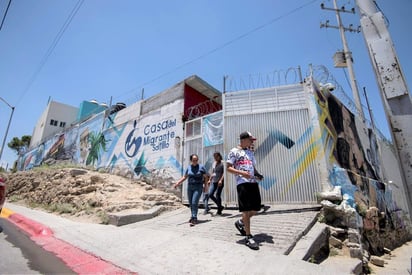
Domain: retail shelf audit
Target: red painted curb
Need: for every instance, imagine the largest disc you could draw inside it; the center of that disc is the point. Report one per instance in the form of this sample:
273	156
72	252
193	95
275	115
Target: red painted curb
29	226
76	259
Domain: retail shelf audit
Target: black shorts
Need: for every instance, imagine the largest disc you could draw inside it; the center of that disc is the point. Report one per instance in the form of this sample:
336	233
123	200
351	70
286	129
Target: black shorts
248	195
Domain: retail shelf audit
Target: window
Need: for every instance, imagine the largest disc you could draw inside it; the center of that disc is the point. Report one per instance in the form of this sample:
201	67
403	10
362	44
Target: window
62	124
193	128
53	122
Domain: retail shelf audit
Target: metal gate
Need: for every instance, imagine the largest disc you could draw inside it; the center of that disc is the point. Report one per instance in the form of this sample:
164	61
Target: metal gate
286	150
203	136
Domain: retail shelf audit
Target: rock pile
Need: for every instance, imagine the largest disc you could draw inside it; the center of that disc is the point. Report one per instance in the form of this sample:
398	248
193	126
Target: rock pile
85	195
361	232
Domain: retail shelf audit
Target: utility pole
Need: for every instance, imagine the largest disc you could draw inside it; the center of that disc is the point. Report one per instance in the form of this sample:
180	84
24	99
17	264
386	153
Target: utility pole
392	86
8	126
347	52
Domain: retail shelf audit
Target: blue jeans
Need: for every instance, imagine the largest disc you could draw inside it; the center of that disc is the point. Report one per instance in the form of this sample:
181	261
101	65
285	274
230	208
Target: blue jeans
214	187
194	191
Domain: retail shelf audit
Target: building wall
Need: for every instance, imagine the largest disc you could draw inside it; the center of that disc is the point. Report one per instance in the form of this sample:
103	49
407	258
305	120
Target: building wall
62	114
39	128
197	104
153	103
142	140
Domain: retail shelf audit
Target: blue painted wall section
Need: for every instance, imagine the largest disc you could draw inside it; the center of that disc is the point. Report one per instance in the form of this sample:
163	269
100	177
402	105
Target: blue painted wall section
114	143
354	166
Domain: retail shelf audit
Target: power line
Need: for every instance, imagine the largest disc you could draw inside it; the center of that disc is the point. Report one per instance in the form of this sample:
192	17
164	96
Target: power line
52	47
222	46
5	14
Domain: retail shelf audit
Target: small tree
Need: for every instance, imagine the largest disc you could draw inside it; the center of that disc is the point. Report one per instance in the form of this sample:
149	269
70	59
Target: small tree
17	144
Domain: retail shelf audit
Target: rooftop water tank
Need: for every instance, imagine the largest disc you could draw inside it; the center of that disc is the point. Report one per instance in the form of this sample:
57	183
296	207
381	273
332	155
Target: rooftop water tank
117	107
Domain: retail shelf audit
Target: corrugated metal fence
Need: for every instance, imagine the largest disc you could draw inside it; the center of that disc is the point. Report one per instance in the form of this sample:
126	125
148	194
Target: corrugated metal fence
279	117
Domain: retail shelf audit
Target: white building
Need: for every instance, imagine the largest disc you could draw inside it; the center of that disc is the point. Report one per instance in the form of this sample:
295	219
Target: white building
54	119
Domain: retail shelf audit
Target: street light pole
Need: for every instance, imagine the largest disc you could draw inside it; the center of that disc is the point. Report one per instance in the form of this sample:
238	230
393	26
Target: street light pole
8	125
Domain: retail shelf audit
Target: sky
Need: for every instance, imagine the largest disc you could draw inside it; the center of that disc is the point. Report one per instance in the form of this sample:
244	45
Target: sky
122	50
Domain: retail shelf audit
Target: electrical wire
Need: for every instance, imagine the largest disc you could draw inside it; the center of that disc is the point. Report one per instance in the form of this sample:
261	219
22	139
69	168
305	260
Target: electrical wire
379	9
51	48
224	45
5	14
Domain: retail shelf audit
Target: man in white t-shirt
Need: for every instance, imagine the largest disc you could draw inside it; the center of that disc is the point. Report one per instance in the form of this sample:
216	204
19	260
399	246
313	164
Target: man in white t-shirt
241	162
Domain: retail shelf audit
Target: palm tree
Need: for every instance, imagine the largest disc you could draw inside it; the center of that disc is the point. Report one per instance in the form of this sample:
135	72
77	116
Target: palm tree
97	143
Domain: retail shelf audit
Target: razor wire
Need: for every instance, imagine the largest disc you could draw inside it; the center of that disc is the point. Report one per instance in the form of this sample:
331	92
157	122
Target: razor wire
203	108
322	75
291	75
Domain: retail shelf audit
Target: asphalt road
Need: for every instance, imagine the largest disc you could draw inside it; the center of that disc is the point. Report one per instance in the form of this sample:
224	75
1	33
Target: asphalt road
20	255
167	244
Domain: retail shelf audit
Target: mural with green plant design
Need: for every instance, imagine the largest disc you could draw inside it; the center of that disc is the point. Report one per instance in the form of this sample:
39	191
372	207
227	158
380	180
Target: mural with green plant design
97	144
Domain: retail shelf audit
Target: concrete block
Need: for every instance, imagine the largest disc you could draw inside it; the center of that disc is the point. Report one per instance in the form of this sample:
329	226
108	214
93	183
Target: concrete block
335	242
309	244
343	265
132	216
353	235
377	261
355	253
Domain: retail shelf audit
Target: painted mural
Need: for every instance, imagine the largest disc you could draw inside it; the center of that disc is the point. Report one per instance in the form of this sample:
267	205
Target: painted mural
120	143
62	146
349	166
353	163
92	141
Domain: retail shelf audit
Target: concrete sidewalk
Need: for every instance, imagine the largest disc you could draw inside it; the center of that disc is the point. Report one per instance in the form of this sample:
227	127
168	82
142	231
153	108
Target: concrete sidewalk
167	244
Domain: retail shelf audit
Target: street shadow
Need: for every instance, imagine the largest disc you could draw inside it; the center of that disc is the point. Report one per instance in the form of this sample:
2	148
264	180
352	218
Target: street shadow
234	216
259	238
293	210
221	215
263	238
241	241
239	215
199	221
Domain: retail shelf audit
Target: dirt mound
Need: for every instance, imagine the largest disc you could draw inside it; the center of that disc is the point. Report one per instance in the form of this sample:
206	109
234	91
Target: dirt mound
83	194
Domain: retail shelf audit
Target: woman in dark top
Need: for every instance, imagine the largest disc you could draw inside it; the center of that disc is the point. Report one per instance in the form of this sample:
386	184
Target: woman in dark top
216	183
196	175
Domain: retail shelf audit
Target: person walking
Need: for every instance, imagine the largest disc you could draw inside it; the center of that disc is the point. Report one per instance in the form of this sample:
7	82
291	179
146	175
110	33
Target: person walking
197	176
2	194
241	162
263	208
216	183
